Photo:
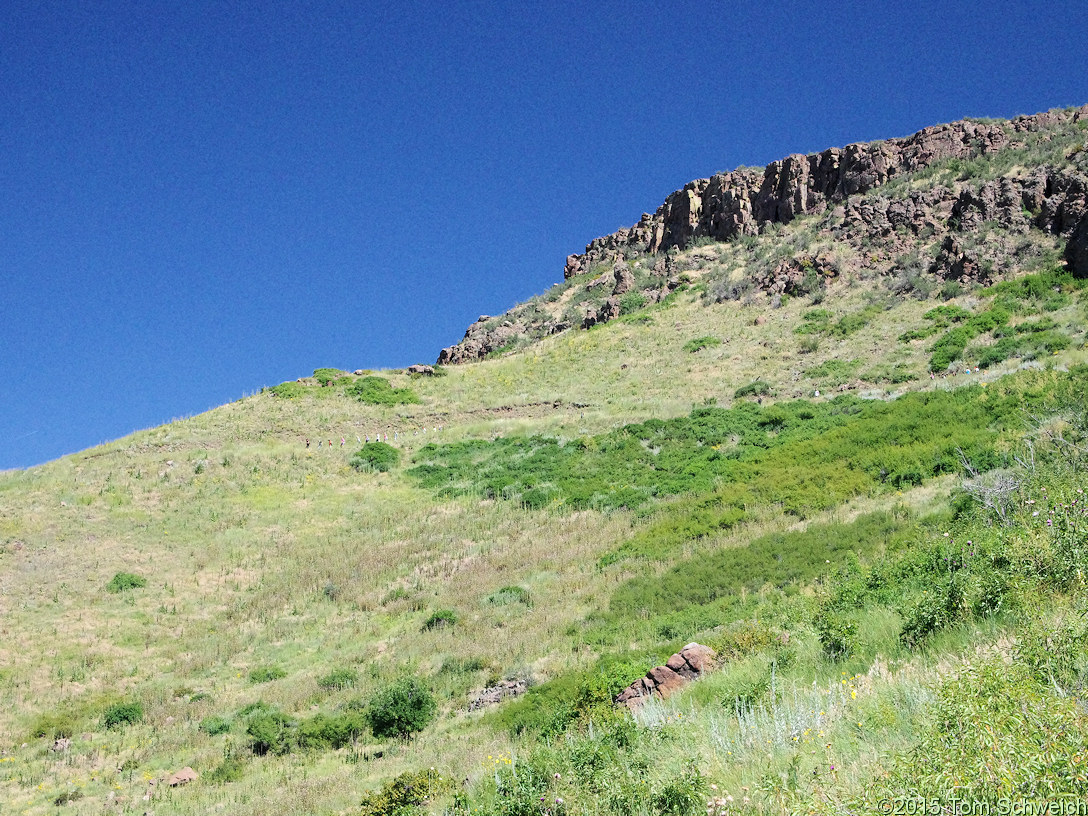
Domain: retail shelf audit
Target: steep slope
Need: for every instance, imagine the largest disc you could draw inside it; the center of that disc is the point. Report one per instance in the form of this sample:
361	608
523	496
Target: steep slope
759	460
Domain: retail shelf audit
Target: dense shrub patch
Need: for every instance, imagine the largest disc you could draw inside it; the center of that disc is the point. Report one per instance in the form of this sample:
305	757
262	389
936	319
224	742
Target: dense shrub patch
378	391
327	376
122	714
375	456
440	619
401	709
799	455
406	793
700	343
288	390
338	680
123	581
777	559
266	674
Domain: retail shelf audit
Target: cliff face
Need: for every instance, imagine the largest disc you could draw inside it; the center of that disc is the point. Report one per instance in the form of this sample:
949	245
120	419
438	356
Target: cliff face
740	203
746	201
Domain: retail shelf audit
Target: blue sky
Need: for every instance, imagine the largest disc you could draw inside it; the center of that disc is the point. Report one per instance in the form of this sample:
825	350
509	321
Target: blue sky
201	199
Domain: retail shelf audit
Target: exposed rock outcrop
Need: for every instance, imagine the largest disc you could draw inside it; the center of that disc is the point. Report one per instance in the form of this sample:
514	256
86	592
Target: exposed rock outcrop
481	339
881	228
683	667
743	201
492	695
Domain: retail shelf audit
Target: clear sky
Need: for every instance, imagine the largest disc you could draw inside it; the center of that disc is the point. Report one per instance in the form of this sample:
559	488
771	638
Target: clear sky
199	199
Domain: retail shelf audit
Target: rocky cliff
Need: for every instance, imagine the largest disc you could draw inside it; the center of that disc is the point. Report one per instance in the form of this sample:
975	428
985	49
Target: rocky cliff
746	202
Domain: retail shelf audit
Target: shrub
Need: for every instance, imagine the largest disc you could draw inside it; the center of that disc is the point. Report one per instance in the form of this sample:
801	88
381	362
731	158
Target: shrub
838	633
378	391
700	343
271	732
406	793
266	674
537	497
215	725
231	769
401	709
327	376
950	289
685	795
1056	651
330	731
510	595
288	390
994	733
440	619
123	581
939	607
122	714
375	457
55	725
758	388
339	679
631	302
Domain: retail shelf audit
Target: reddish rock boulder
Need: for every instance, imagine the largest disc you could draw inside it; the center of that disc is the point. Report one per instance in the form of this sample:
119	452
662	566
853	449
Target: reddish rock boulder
680	669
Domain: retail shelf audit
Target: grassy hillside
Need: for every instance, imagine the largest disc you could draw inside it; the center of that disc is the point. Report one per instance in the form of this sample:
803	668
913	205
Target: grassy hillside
889	564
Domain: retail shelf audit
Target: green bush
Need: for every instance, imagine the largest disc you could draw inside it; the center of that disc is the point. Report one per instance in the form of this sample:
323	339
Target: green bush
288	390
757	388
401	709
814	321
215	725
231	769
837	632
123	581
440	620
406	794
631	302
995	734
1056	651
683	795
700	343
950	289
55	725
854	322
375	457
510	595
339	679
271	732
266	674
550	708
122	714
327	376
378	391
939	607
330	731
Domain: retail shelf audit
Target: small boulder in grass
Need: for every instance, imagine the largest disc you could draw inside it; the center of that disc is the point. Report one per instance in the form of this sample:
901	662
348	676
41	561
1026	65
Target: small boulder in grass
182	777
683	667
